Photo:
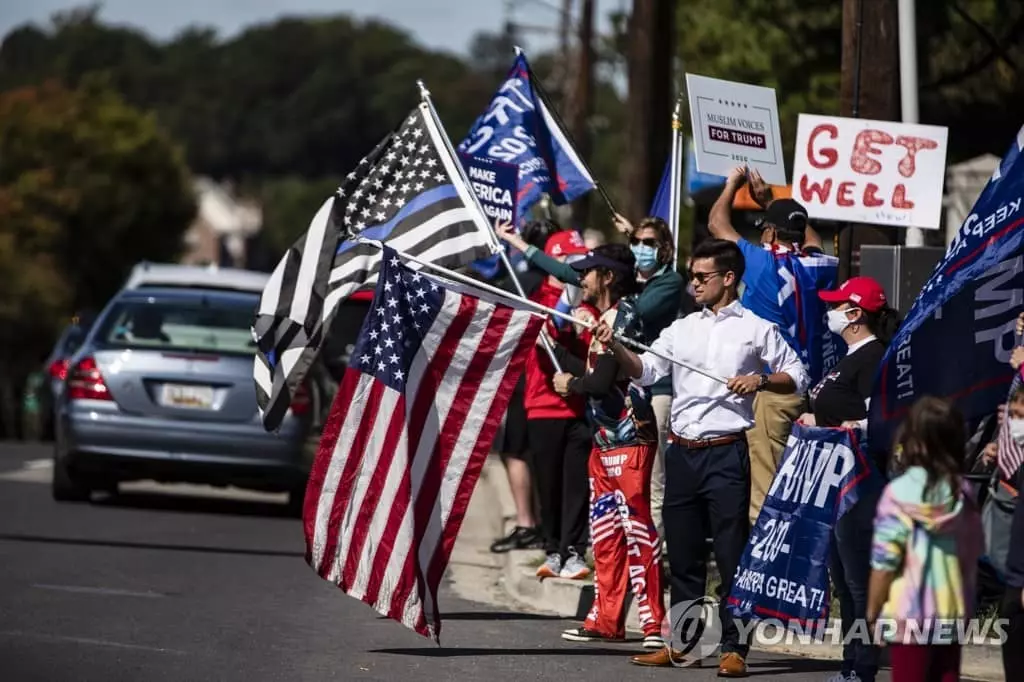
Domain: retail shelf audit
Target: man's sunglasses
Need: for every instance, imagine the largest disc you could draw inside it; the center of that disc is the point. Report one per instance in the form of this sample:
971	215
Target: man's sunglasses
648	241
703	277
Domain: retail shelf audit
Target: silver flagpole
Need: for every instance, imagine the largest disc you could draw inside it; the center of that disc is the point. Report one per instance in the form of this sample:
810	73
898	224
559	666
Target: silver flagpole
484	286
676	175
496	245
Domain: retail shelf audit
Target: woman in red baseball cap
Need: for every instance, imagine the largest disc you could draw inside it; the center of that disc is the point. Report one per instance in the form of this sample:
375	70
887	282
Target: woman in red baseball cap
860	315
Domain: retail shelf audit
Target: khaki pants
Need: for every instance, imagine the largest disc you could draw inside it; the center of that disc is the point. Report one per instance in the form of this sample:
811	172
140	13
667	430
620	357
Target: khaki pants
774	415
662	406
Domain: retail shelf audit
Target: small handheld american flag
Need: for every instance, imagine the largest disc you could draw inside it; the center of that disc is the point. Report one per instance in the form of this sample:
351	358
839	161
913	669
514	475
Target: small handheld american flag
1010	455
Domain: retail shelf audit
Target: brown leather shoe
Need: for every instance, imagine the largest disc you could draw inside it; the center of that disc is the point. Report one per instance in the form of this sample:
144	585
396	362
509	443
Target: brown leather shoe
660	659
732	665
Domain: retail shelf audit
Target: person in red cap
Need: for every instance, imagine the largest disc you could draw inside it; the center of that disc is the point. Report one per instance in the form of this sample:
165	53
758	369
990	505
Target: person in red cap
558	434
860	314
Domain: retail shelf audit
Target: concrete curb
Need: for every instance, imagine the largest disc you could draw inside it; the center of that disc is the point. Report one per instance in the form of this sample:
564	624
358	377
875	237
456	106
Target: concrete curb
573	598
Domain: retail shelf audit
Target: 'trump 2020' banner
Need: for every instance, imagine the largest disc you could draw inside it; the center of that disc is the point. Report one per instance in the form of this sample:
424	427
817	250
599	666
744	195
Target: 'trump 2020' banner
783	573
957	337
518	128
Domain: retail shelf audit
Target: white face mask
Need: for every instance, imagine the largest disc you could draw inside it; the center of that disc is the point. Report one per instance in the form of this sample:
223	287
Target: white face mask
837	321
1017	431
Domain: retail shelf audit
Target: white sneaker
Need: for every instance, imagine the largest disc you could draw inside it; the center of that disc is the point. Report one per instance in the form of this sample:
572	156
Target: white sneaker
575	568
653	642
551	567
847	677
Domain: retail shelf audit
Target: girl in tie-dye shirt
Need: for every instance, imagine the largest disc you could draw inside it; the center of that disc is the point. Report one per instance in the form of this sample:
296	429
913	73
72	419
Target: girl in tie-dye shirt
927	541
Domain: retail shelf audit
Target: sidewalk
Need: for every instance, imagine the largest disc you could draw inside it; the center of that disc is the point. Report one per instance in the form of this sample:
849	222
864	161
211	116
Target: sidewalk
572	599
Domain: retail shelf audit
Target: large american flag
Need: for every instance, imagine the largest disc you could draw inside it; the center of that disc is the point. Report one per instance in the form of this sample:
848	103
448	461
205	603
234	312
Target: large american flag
1009	455
407	192
410	427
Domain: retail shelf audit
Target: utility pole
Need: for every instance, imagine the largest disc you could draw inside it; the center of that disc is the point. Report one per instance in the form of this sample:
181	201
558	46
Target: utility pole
564	48
908	85
650	101
870	89
581	104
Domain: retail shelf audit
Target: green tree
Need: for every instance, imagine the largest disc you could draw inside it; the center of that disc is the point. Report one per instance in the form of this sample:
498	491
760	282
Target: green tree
88	187
288	206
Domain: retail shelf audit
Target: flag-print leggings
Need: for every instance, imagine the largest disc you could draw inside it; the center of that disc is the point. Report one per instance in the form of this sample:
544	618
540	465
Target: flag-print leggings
627	549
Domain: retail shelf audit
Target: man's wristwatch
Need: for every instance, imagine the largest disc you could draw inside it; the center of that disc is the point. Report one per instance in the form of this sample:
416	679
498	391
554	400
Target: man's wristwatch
763	384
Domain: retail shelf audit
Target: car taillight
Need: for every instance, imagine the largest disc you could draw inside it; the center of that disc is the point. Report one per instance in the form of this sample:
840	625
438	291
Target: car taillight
301	401
86	383
59	369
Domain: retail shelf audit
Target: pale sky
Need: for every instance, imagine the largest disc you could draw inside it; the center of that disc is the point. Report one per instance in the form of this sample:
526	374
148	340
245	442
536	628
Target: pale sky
439	24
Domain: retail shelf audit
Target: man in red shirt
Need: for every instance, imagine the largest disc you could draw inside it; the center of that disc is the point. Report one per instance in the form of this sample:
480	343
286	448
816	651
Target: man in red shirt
558	435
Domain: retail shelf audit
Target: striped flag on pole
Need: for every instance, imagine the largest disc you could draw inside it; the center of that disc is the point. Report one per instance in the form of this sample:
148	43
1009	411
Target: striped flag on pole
410	427
1010	455
407	192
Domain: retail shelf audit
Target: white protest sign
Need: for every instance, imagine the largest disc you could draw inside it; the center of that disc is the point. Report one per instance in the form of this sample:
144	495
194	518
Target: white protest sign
735	124
865	171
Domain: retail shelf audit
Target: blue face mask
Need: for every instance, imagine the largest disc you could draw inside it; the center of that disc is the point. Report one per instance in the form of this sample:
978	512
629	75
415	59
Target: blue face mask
646	256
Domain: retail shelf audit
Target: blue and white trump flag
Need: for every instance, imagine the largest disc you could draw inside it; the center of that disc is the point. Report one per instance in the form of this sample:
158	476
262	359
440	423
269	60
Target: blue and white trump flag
957	338
803	313
518	127
783	573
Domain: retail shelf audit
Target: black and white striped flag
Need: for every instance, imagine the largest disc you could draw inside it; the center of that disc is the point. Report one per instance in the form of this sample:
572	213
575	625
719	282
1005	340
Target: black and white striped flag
408	193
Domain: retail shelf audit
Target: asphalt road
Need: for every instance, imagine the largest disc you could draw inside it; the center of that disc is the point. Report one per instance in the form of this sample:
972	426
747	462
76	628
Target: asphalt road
173	584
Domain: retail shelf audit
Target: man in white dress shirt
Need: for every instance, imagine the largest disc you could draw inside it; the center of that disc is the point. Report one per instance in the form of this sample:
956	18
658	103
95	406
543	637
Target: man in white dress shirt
707	465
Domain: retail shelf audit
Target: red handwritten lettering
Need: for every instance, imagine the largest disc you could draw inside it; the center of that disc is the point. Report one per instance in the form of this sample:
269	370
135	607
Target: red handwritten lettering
809	189
899	198
830	155
870	200
860	162
913	145
844	194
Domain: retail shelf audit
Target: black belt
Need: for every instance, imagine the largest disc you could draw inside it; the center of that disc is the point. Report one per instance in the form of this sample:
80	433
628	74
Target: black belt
701	443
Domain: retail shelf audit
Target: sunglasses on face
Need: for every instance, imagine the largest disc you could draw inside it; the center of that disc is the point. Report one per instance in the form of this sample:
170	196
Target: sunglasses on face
648	241
703	277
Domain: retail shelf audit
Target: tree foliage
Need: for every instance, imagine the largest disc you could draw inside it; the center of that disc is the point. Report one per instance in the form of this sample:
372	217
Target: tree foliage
795	47
302	97
88	187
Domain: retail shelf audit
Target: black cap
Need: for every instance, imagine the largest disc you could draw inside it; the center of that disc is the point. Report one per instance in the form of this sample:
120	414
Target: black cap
598	258
786	214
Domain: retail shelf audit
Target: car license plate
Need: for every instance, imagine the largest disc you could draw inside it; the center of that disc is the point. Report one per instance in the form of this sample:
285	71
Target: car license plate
178	395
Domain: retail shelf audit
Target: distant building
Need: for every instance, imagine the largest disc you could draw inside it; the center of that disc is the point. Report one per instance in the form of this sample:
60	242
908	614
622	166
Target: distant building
223	226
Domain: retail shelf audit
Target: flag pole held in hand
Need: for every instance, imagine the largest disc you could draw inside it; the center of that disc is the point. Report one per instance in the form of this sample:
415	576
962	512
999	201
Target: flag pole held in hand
451	274
496	245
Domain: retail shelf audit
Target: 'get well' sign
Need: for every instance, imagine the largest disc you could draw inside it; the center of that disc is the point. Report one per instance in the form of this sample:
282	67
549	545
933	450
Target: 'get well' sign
865	171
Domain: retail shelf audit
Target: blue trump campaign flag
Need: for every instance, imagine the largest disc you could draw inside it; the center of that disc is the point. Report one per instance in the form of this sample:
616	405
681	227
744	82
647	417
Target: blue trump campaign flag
662	203
783	573
956	339
695	180
519	127
496	186
804	314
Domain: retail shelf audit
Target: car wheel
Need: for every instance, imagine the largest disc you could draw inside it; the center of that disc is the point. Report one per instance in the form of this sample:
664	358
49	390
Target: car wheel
296	497
65	486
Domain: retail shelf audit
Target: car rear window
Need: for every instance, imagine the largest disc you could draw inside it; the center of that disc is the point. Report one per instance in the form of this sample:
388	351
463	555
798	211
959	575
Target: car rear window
199	326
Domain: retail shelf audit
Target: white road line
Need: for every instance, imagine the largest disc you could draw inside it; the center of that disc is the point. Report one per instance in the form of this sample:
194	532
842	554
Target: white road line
87	640
104	591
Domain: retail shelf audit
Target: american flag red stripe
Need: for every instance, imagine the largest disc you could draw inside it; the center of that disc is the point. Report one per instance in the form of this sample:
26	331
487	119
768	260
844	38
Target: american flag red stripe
407	438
